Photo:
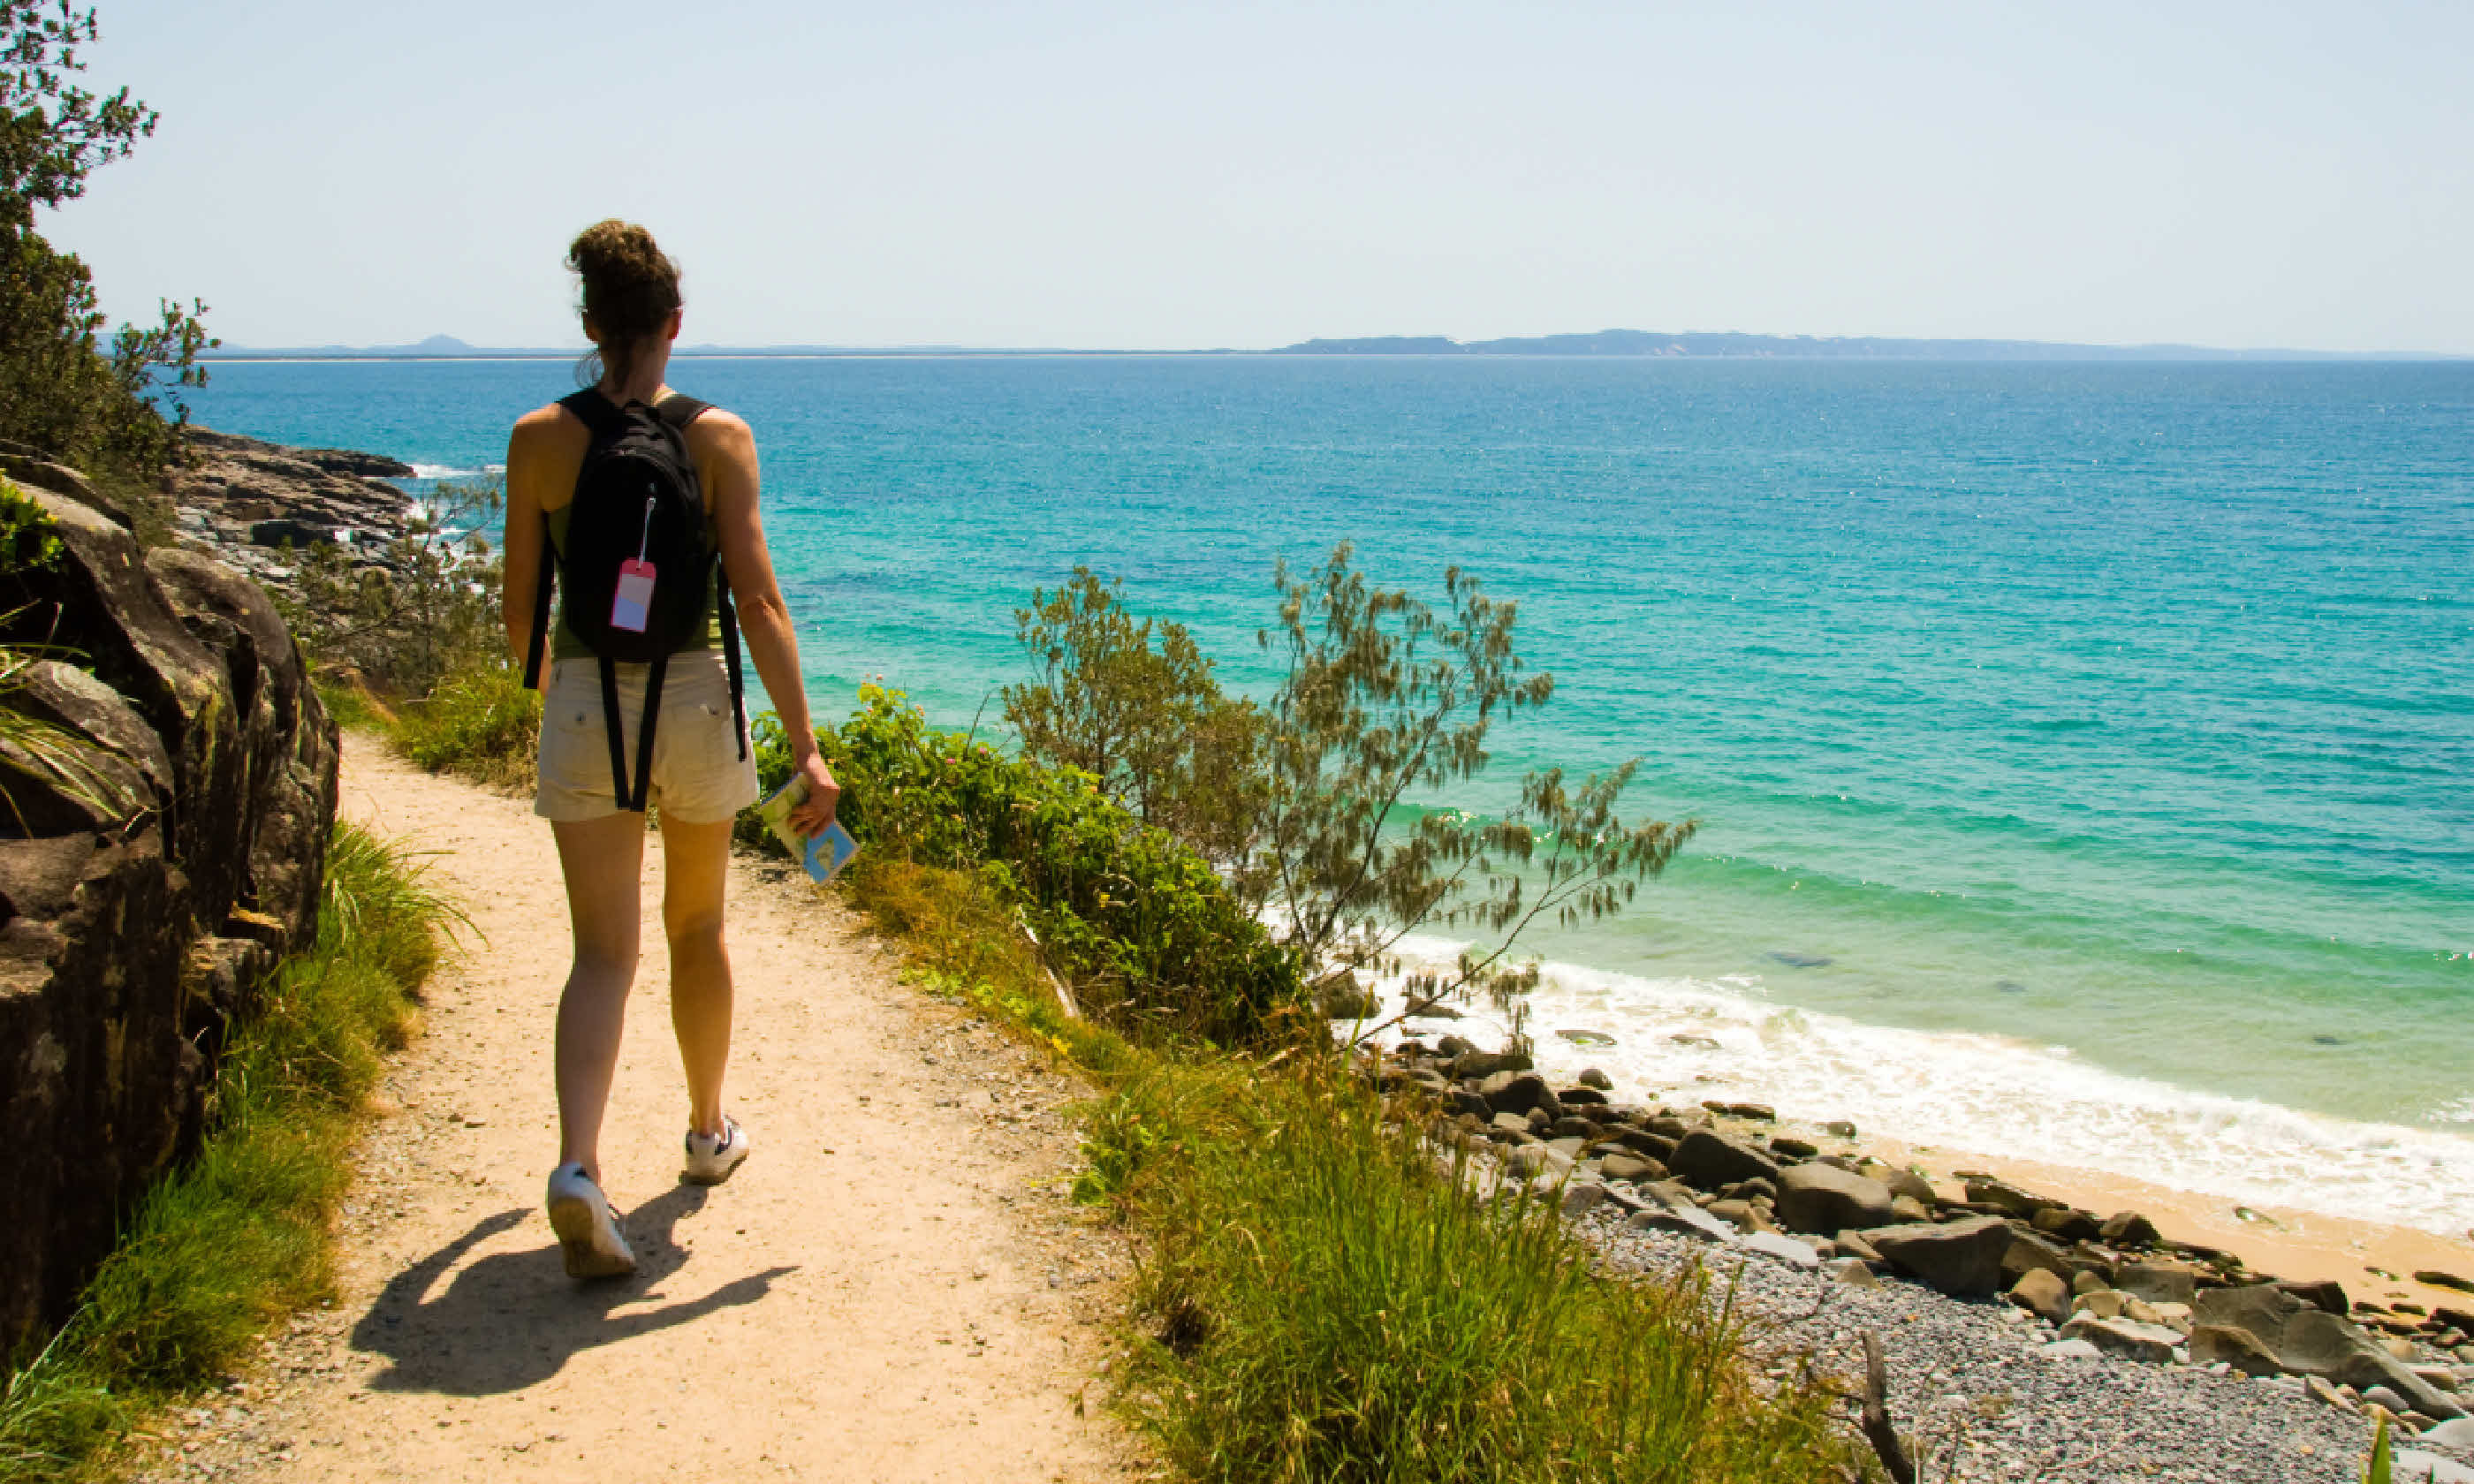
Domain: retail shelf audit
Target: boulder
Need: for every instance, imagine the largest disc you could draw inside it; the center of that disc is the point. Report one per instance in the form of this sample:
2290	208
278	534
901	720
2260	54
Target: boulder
2311	1341
1583	1196
1853	1272
2128	1228
1824	1200
2028	1251
2237	1348
1337	996
1785	1249
1592	1077
1485	1063
2157	1282
2042	1294
2068	1225
1624	1167
2421	1465
140	909
1710	1160
2124	1337
1962	1259
2007	1198
1687	1220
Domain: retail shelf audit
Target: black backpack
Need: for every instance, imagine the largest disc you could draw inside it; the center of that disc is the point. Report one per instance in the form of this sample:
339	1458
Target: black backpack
637	501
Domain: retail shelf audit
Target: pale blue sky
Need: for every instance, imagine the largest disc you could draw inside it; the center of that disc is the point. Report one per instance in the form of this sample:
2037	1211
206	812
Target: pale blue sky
1159	174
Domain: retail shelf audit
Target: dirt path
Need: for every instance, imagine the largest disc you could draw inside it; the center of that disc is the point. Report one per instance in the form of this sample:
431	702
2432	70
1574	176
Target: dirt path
890	1289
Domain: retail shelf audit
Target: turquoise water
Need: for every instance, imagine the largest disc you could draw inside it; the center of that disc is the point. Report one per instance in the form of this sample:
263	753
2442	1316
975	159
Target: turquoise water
2101	735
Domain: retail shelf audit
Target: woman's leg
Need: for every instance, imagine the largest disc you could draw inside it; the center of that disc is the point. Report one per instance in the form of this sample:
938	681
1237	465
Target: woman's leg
603	860
696	868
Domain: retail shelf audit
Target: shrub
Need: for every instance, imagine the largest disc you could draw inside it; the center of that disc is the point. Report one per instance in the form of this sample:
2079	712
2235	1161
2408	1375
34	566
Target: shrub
1149	934
480	722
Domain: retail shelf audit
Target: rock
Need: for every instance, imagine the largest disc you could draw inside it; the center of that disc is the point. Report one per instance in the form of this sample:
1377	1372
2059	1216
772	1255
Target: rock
1906	1209
1581	1097
1515	1092
2158	1283
1648	1146
2086	1281
2124	1337
2068	1225
1688	1220
2028	1251
1853	1272
1485	1063
1510	1123
1735	1213
1788	1146
1824	1200
1452	1048
2327	1295
2456	1434
2042	1294
2237	1348
2007	1198
1624	1167
1785	1249
1582	1196
1525	1160
1758	1113
1338	996
62	480
1592	1077
132	931
2313	1342
1710	1160
1851	1244
2416	1466
2440	1279
1571	1127
2103	1303
1839	1128
2069	1350
2383	1397
1962	1259
2128	1228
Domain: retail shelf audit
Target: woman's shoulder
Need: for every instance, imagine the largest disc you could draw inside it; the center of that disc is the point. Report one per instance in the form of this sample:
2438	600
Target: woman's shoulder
720	430
550	426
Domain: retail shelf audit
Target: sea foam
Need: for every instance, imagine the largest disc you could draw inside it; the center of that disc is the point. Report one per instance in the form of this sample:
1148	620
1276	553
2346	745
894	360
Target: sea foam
1985	1095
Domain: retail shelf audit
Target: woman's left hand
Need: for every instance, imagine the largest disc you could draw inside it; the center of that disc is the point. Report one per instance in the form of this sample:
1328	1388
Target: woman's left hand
824	797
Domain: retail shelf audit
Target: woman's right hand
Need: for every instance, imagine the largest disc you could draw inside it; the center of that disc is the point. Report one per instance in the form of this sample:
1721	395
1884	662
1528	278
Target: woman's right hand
824	795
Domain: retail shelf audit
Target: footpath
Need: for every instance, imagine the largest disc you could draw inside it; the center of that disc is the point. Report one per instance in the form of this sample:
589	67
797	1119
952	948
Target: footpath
893	1287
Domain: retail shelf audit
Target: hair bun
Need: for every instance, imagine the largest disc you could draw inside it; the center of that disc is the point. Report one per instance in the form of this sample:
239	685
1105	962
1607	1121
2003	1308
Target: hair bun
631	288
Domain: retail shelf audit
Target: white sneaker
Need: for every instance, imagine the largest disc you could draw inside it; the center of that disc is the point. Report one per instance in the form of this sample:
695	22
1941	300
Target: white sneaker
711	1157
586	1228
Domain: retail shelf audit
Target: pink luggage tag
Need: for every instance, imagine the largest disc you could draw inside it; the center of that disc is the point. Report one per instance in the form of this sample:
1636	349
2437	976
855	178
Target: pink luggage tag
631	606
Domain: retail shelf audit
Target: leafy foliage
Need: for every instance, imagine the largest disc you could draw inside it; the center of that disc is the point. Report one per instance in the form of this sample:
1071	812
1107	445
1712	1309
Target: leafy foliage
426	608
1151	936
1149	723
64	392
1386	697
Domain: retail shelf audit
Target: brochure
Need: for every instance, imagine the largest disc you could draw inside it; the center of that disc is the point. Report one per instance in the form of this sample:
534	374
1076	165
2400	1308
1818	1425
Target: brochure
824	854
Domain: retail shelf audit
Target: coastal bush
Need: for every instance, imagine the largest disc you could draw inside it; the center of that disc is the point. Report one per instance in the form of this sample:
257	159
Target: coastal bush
1151	726
65	392
1150	936
237	1236
426	610
1384	696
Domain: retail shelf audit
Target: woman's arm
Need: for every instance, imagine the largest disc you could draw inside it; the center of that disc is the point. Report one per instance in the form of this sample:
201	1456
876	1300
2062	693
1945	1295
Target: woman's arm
529	470
731	482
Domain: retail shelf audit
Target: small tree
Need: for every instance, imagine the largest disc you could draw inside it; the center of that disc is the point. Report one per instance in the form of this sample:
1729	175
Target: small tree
1385	697
425	608
1150	724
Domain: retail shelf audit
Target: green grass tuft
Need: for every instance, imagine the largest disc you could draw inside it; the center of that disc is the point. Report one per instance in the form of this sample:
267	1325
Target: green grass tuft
480	724
239	1236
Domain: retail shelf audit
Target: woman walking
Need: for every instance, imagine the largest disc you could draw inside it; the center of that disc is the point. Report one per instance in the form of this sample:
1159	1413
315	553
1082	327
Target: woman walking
666	615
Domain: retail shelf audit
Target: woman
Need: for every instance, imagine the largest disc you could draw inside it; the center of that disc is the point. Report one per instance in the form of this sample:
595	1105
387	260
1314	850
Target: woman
701	776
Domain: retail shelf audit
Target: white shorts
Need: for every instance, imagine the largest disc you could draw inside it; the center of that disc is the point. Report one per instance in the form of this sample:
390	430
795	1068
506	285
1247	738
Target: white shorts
699	775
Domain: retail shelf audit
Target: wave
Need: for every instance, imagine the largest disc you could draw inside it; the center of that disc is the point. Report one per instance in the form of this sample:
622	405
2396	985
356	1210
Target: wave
421	471
1685	1040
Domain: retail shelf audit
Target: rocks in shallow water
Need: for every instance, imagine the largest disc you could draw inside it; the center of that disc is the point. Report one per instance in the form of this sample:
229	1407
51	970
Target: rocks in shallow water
1758	1113
2042	1294
2440	1279
1710	1160
1485	1063
1592	1077
2237	1348
1824	1200
2124	1337
1515	1092
1794	960
1793	1148
1962	1259
1696	1042
1592	1039
1454	1047
1839	1128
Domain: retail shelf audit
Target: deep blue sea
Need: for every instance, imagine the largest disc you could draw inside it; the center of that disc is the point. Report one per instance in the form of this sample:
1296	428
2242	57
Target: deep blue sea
2084	753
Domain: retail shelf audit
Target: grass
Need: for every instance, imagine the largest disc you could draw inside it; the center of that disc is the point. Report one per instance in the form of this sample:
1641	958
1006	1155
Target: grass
1323	1300
480	724
238	1237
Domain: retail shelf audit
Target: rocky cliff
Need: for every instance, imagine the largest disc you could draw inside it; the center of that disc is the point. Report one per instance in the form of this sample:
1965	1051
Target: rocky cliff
170	850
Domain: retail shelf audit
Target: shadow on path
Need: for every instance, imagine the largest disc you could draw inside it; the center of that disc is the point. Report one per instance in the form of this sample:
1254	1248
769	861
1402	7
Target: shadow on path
513	1319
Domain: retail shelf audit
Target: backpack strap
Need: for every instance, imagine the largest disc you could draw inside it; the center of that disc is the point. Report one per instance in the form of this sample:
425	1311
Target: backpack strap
645	732
678	410
613	728
540	610
594	411
730	654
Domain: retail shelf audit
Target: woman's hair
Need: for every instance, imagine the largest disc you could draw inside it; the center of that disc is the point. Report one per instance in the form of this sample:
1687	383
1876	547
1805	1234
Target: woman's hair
630	292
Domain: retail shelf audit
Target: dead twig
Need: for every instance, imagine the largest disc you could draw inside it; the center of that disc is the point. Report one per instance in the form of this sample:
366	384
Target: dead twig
1878	1430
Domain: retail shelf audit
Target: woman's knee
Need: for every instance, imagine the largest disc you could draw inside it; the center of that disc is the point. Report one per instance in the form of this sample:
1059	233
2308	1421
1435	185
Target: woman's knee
693	927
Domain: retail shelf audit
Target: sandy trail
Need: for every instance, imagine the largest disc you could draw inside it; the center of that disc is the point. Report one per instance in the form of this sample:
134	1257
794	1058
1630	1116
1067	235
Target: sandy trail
890	1288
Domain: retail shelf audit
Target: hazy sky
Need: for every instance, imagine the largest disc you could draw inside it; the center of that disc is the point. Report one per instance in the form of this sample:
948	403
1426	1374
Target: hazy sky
1161	175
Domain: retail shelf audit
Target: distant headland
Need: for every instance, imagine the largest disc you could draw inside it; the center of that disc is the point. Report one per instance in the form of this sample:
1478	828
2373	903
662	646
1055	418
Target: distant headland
1688	345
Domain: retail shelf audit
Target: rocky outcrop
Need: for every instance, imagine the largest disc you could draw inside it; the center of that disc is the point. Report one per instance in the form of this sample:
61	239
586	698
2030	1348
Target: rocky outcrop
149	875
248	501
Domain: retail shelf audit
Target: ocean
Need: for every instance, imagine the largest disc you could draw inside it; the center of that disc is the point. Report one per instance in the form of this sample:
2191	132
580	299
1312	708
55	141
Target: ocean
2083	753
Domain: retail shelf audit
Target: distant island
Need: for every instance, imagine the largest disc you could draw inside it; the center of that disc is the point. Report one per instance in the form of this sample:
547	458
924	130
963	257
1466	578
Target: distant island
1601	343
1827	347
